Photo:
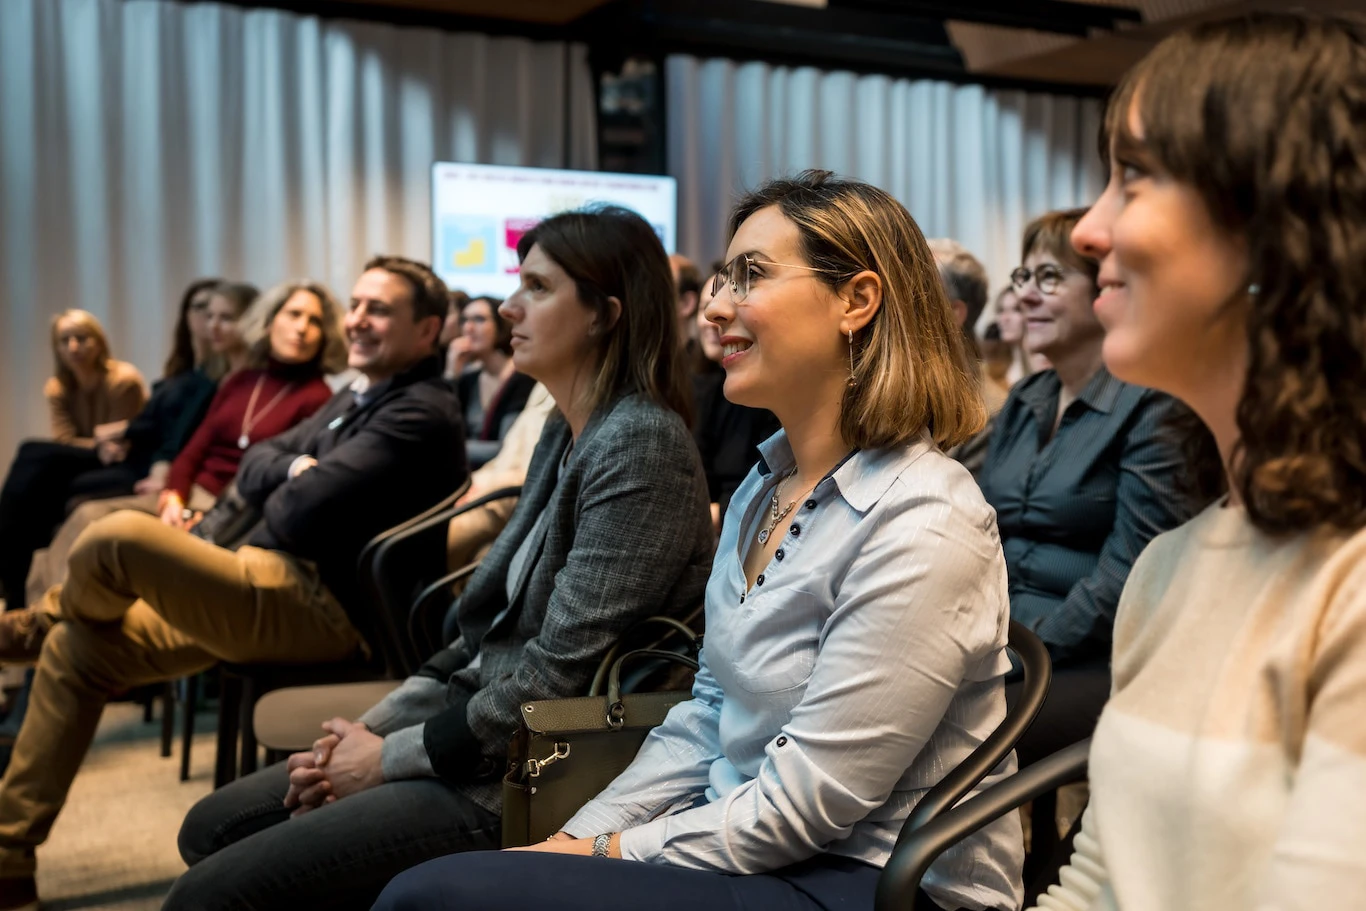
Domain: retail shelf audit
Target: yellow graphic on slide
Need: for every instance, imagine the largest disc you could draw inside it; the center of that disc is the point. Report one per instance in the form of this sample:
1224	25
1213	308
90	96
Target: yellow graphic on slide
468	243
473	256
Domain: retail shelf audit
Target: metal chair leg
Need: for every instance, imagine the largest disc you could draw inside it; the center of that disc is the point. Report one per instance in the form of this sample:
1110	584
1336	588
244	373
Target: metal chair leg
249	750
191	685
168	702
229	719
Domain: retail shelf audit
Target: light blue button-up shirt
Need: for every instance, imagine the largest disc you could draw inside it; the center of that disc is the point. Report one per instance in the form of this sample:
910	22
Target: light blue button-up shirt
866	662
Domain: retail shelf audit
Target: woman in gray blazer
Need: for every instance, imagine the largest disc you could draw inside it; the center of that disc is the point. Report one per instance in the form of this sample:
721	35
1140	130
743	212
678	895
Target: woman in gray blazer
613	525
856	611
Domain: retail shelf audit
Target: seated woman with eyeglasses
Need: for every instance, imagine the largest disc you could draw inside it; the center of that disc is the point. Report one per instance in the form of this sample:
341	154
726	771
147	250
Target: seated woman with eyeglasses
856	613
1083	470
493	394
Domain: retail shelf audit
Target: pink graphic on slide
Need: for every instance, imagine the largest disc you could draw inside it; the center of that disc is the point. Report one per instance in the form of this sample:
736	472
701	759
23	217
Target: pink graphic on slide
513	229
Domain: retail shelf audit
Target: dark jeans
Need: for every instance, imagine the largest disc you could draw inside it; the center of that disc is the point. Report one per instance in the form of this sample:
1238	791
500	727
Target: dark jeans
33	504
245	852
517	881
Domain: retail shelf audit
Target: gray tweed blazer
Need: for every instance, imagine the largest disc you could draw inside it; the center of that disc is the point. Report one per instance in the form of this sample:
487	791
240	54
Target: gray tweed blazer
627	534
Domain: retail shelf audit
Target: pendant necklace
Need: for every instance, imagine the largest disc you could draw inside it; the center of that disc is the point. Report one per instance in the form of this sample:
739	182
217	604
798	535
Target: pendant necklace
250	419
764	533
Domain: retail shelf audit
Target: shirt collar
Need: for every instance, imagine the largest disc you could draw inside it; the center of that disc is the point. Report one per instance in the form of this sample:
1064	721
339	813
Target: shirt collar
365	391
1099	394
864	475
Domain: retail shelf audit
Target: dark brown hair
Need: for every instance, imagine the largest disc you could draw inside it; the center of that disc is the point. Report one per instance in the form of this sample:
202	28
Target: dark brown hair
502	329
181	358
1051	233
612	252
430	297
1265	117
910	360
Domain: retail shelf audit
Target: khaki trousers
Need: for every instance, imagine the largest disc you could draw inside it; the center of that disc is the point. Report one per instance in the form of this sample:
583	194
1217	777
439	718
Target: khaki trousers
145	603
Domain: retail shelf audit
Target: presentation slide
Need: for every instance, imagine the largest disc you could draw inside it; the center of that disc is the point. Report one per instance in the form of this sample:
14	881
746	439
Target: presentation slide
479	212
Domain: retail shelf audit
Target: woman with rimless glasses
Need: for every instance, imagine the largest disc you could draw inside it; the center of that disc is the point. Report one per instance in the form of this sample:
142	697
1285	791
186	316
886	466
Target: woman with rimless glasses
1083	471
856	611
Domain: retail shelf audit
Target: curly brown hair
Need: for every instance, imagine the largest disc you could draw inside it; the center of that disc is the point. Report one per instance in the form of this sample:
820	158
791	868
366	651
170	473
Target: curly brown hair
1265	117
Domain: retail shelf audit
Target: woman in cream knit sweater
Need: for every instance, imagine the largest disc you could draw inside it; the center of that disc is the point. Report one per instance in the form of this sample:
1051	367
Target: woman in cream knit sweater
1228	770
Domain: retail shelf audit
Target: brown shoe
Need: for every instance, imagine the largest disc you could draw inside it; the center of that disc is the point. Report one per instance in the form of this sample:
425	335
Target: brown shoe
18	893
21	641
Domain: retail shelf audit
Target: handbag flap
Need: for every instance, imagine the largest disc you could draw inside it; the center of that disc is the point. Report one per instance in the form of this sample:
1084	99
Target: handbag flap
552	717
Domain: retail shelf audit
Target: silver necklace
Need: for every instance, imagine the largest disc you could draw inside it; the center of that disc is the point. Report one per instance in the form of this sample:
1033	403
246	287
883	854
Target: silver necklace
764	533
248	420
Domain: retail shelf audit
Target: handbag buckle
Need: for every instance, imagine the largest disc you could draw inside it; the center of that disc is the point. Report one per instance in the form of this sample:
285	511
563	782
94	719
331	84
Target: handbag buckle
616	715
534	766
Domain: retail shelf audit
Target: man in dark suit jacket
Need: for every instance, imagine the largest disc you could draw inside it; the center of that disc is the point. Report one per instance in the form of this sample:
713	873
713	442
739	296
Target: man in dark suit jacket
144	602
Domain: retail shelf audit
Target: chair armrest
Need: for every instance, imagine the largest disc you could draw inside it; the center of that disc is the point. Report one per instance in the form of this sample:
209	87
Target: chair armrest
915	851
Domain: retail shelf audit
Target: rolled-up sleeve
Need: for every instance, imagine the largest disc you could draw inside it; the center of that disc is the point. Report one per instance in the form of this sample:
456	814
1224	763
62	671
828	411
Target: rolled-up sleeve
880	688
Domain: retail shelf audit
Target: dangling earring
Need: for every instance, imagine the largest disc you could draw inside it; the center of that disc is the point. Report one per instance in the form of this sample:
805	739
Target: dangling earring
853	380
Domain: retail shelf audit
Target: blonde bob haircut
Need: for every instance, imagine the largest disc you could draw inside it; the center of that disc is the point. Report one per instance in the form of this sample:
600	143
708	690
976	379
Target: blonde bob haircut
254	326
910	363
87	322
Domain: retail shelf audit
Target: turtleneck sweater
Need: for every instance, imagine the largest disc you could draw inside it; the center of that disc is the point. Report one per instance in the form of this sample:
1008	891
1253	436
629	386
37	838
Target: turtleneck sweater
287	395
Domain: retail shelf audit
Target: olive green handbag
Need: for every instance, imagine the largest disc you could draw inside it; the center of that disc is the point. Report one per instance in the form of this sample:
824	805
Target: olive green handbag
568	750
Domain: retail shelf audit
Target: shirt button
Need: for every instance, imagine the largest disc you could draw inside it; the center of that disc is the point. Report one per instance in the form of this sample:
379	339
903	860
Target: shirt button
810	504
760	580
782	741
779	554
795	530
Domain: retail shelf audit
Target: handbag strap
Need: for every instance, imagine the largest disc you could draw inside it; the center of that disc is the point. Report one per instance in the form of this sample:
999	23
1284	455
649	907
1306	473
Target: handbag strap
610	658
616	709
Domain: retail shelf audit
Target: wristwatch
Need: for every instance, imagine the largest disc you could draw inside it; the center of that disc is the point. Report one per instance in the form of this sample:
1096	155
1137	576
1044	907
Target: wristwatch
602	844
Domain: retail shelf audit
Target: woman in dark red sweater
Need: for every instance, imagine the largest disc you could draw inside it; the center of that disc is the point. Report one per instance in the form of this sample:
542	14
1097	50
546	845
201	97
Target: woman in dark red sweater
297	336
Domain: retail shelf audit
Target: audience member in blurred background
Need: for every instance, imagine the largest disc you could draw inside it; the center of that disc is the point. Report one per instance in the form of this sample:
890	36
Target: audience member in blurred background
295	337
997	359
1012	328
91	397
492	393
965	282
727	435
1083	470
688	284
452	340
160	431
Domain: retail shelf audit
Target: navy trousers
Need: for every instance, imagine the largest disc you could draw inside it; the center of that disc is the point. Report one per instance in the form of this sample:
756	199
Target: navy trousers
517	881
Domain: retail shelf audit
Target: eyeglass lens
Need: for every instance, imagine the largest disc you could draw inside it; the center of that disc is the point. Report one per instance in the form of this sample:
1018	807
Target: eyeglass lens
1046	278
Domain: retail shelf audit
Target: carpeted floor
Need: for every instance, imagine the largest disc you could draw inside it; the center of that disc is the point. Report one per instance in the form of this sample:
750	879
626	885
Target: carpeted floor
114	846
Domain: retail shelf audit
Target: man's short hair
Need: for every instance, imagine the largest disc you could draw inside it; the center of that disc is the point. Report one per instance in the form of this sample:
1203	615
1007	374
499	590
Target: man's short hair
964	277
689	278
429	294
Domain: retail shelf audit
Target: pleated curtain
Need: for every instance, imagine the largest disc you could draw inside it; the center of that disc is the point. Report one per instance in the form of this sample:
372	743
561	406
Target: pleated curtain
144	143
969	162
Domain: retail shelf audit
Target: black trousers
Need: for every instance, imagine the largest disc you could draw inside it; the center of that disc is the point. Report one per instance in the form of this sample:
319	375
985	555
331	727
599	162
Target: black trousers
33	504
245	852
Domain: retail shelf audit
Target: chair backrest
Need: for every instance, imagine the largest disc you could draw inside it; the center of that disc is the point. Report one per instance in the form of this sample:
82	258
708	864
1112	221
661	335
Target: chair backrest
383	562
900	880
953	787
428	609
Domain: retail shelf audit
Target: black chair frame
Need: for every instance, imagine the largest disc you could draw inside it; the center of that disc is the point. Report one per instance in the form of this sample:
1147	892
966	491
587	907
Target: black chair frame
897	887
916	851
